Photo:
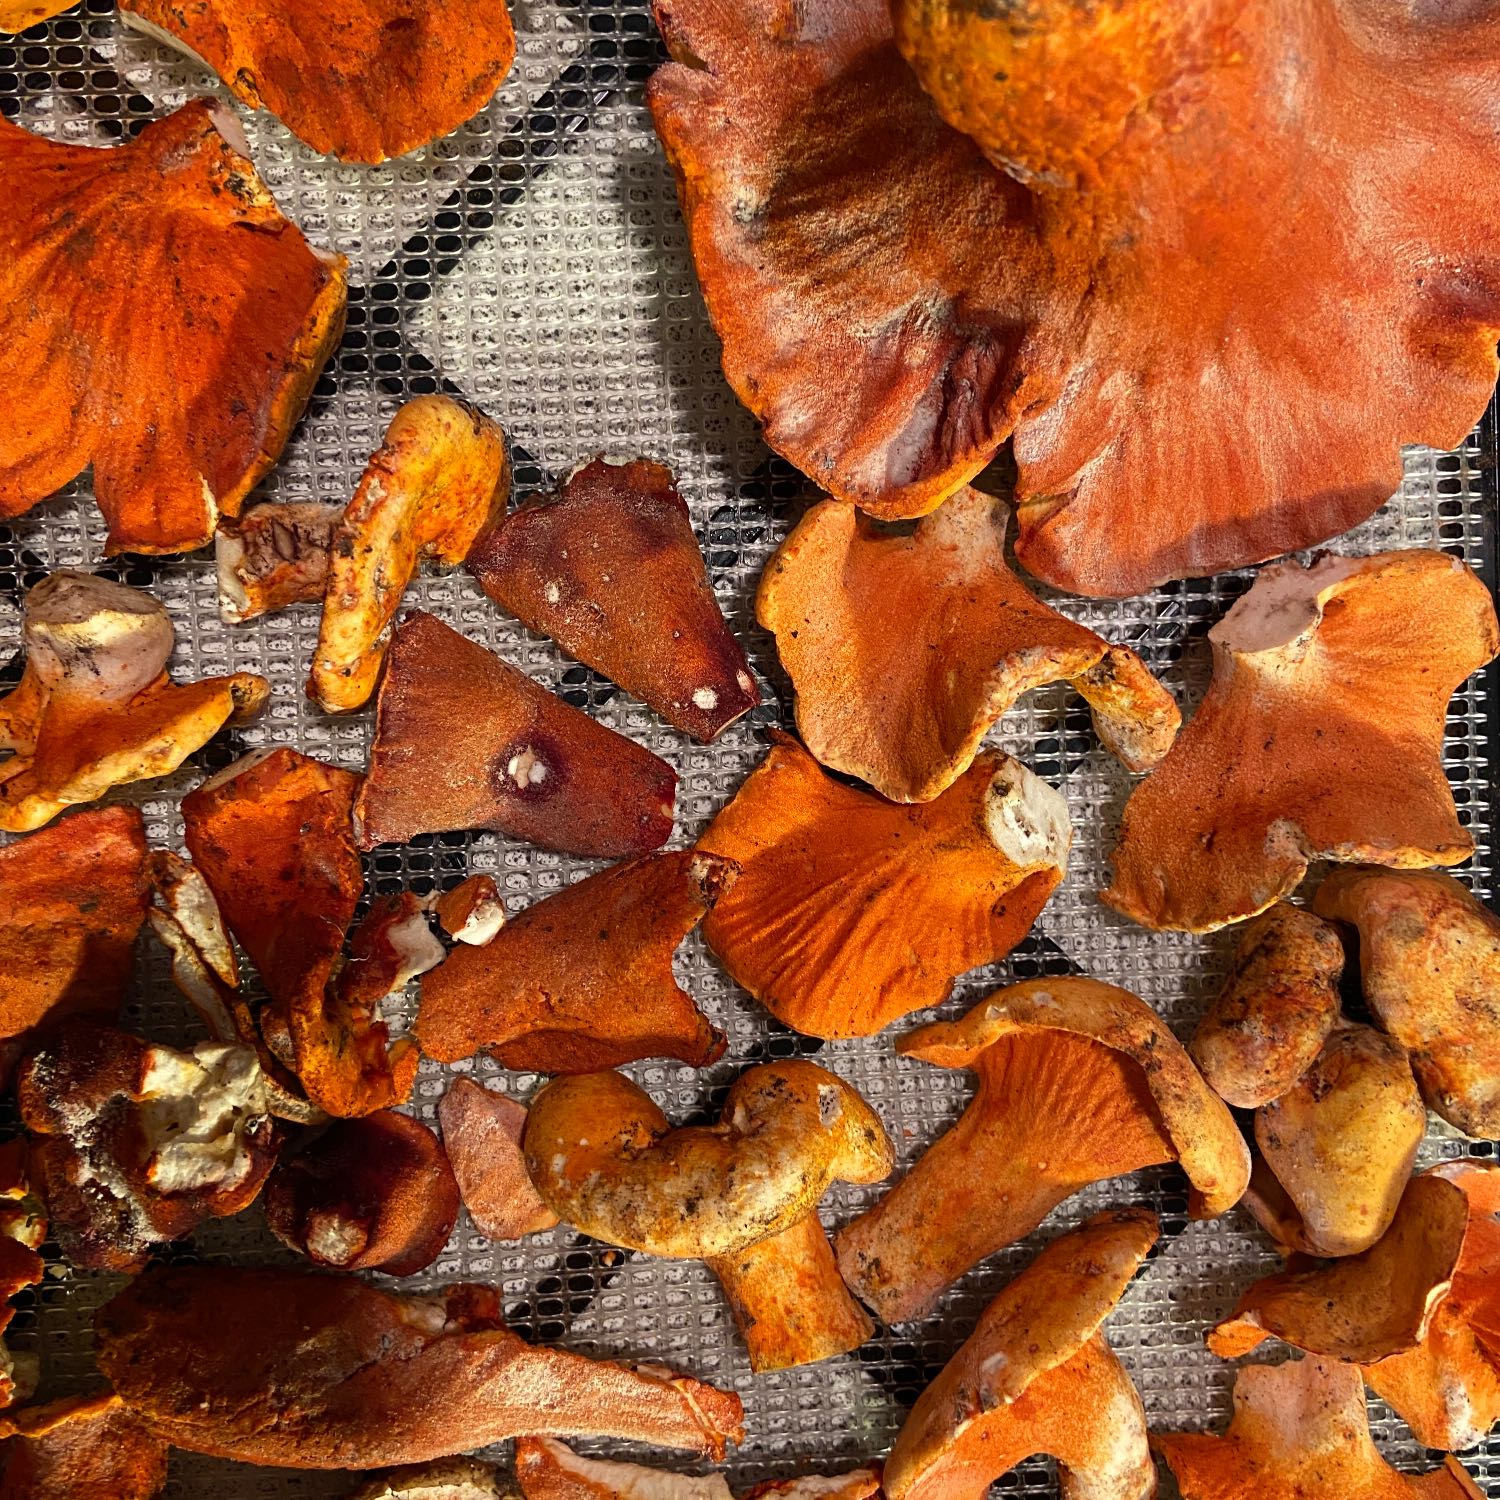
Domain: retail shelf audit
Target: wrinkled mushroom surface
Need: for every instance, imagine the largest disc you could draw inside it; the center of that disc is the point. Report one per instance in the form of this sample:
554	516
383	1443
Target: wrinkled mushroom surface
273	556
80	1448
482	1133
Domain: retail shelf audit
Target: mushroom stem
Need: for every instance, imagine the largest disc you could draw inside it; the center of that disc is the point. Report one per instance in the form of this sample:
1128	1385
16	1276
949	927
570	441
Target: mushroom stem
788	1299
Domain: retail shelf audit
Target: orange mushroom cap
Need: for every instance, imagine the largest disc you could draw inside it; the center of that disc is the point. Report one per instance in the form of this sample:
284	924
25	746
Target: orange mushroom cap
80	1448
1078	1082
463	740
272	556
850	911
583	979
482	1135
905	650
1320	738
610	569
162	321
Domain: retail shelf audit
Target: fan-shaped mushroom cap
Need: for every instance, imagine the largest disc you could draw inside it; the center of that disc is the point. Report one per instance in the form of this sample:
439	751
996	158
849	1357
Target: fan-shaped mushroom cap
549	1470
162	321
482	1136
610	569
905	650
448	1479
1338	1147
1078	1082
1036	1376
463	740
1280	1002
1299	1429
583	980
362	80
1321	738
80	1448
850	912
272	556
1430	965
326	1372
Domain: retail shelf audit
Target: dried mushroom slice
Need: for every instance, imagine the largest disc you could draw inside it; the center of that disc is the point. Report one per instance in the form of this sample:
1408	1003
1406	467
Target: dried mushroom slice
437	482
610	569
463	740
1078	1082
583	979
853	1484
327	1372
162	321
482	1137
549	1470
80	1448
850	911
1037	1376
1145	285
1320	738
472	912
95	708
362	80
273	556
905	650
23	1230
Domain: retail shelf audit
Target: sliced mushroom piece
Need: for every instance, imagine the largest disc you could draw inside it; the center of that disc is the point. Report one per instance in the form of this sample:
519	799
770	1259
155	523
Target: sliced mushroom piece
1320	738
80	1448
610	569
273	556
854	1484
850	911
463	740
438	481
472	912
583	980
905	650
549	1470
1078	1082
482	1133
1430	966
96	707
162	322
23	1230
388	949
326	1372
448	1479
1281	1001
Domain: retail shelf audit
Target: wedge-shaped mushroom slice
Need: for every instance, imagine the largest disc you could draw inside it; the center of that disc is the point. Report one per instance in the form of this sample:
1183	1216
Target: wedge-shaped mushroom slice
549	1470
23	1229
274	837
583	980
1430	966
610	569
95	707
1078	1082
162	321
1320	738
80	1448
447	1479
1037	1376
463	740
604	1158
273	556
482	1135
362	80
326	1372
850	911
1299	1430
436	483
906	650
1278	1006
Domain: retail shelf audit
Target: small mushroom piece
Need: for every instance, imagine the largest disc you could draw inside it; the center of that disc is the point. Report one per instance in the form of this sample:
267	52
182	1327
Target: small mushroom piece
905	650
549	1470
1037	1376
472	912
1279	1004
463	740
20	15
208	1356
387	950
95	708
80	1448
448	1479
273	556
482	1136
375	1193
1337	1148
1320	737
23	1230
1430	967
1078	1082
162	322
583	979
610	569
850	911
433	486
853	1484
1299	1429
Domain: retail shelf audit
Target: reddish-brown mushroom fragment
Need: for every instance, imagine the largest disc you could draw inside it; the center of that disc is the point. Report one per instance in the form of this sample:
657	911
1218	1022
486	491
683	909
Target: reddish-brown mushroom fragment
472	912
463	740
583	980
482	1133
362	80
549	1470
1320	738
79	1448
850	912
326	1372
905	650
162	321
610	569
1078	1082
23	1229
854	1484
273	556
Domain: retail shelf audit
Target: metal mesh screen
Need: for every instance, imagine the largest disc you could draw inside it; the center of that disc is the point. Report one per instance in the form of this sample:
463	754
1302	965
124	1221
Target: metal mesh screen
536	262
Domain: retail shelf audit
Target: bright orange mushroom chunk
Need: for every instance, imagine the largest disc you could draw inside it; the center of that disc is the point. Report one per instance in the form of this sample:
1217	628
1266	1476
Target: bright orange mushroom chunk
80	1448
21	15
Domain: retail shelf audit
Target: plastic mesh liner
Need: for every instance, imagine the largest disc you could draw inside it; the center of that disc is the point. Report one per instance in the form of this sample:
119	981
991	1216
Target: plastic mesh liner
536	262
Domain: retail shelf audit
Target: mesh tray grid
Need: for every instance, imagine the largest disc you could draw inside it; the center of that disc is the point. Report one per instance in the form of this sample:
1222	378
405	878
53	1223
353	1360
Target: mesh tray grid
536	261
